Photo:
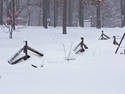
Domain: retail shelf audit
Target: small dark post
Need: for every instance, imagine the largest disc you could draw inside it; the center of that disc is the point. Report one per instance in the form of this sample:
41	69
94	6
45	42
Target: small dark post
114	41
82	45
25	50
104	36
26	47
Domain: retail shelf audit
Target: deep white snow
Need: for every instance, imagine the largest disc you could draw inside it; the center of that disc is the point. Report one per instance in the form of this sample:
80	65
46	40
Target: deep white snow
96	71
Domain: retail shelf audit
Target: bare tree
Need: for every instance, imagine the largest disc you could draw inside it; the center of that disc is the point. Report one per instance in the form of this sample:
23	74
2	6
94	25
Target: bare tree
70	19
98	25
13	13
1	12
40	16
81	13
122	13
17	4
45	13
64	16
29	12
48	12
98	4
55	12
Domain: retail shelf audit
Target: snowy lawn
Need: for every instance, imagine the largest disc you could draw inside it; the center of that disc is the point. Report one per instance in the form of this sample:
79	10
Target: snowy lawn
96	71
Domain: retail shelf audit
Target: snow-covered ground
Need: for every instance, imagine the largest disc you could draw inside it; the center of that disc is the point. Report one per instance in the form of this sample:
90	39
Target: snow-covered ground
96	71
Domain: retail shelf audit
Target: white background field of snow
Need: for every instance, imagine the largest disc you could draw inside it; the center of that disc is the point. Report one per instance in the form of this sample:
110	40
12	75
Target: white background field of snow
96	71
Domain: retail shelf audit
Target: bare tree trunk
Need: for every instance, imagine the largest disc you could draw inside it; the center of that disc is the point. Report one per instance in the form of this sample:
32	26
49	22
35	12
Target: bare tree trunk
29	13
29	19
13	14
48	12
64	16
55	12
81	13
17	4
122	13
10	32
40	16
69	13
8	8
98	25
1	12
45	14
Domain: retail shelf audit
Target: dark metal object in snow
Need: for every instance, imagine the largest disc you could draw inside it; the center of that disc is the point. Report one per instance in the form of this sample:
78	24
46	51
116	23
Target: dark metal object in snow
34	66
82	45
104	36
25	57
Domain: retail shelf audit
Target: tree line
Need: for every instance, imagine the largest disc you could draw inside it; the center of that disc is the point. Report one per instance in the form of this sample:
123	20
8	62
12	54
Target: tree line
58	12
